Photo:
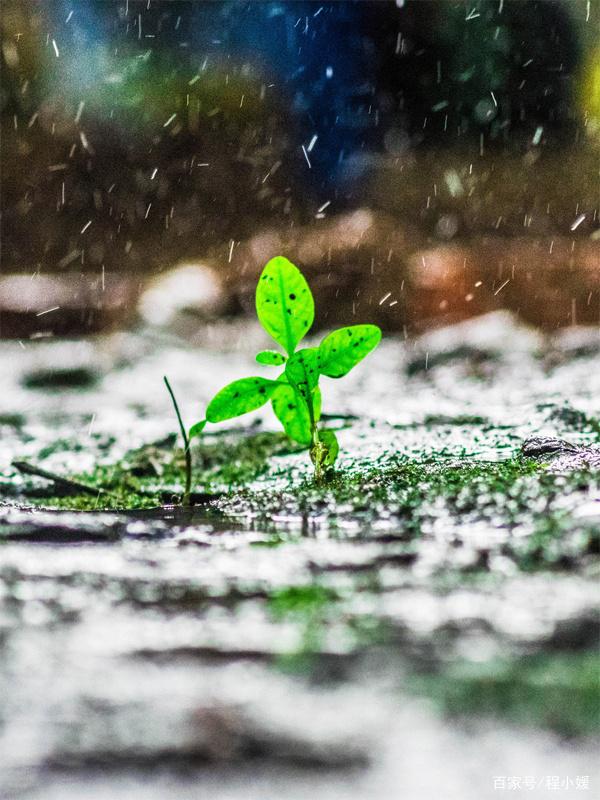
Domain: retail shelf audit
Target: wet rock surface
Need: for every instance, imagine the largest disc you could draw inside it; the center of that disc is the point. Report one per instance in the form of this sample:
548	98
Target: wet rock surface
562	454
435	602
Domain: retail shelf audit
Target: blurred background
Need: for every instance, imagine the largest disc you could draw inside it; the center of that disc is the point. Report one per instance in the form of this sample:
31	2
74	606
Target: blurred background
422	161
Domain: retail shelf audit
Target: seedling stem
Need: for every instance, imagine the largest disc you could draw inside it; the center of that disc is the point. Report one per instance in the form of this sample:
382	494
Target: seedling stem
187	494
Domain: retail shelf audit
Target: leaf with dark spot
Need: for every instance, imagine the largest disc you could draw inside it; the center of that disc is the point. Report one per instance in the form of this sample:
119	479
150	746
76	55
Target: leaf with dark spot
345	348
284	303
302	371
291	410
240	397
270	358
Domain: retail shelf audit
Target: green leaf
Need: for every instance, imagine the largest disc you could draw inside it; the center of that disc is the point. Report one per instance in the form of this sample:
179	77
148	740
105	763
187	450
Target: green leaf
343	349
291	410
332	447
239	397
197	429
326	454
302	371
284	303
270	358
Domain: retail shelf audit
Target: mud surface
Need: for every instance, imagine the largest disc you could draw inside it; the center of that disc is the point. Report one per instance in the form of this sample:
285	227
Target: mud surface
423	622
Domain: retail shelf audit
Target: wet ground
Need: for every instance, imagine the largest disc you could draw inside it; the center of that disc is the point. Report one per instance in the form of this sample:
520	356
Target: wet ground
422	625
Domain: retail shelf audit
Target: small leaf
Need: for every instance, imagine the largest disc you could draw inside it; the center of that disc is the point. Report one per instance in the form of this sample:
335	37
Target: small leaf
291	410
302	371
284	303
197	429
239	397
270	358
328	452
343	349
332	447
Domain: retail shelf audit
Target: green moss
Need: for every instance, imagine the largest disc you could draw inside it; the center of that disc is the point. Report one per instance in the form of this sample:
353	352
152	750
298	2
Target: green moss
152	475
461	420
315	610
411	493
300	600
395	484
12	420
515	495
556	691
60	446
576	420
235	460
308	607
61	379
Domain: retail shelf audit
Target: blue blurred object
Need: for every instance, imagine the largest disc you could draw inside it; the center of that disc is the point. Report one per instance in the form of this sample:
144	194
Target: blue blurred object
353	76
316	56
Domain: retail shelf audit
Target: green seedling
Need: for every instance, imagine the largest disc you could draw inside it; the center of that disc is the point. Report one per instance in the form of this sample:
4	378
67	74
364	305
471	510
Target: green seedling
187	492
286	310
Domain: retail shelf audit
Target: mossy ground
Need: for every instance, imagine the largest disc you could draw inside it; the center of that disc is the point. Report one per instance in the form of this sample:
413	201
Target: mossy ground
436	573
557	690
152	475
409	493
260	476
560	691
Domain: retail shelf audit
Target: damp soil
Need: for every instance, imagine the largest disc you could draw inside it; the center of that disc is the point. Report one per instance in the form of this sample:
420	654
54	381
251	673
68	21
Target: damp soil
434	601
